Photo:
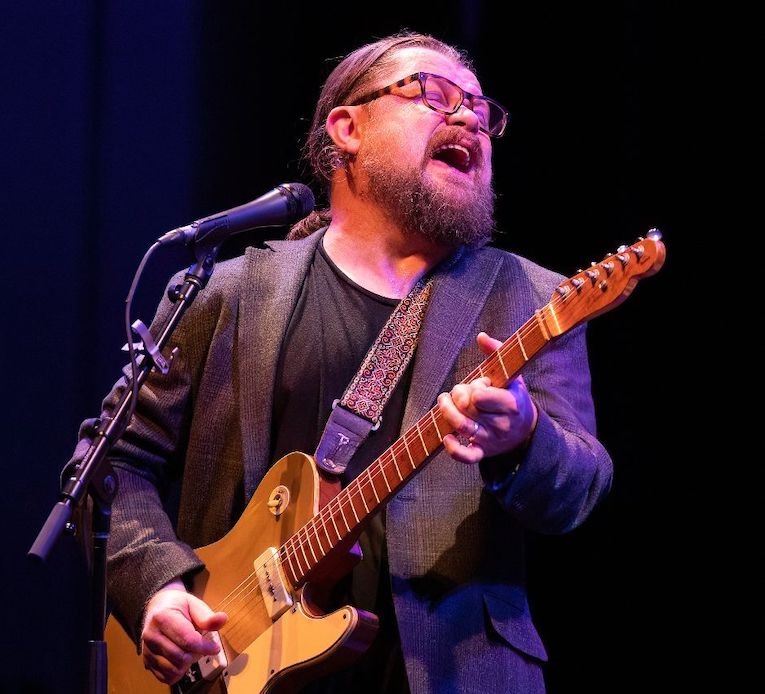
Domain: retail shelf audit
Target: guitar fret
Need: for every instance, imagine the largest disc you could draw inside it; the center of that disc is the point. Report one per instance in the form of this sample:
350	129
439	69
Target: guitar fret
406	445
555	318
422	440
520	344
372	482
542	326
384	476
435	424
332	518
395	464
305	556
318	539
288	553
502	363
326	532
340	508
363	498
310	546
353	508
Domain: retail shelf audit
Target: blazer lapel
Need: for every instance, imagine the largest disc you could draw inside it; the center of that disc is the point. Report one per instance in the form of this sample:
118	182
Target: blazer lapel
459	293
272	284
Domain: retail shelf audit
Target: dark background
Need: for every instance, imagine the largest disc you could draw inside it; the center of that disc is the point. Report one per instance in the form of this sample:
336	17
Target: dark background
121	120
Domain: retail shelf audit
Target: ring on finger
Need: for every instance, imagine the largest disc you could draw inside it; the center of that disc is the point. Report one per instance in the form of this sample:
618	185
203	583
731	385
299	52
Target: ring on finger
474	434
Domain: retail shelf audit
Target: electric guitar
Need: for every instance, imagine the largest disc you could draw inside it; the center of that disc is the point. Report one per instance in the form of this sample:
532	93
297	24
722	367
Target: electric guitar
298	533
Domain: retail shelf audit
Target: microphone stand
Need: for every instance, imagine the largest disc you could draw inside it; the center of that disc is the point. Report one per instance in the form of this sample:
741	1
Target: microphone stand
93	476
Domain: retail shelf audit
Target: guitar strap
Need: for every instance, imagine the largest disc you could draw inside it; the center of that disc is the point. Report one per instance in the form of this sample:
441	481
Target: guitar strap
359	411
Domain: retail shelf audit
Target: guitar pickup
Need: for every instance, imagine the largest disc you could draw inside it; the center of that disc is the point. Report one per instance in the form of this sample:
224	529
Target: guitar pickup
272	582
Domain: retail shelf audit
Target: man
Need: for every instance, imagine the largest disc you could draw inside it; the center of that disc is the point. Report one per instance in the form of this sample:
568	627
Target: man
402	136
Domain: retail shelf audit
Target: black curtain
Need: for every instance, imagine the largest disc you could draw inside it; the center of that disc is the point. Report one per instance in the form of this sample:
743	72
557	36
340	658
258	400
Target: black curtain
122	120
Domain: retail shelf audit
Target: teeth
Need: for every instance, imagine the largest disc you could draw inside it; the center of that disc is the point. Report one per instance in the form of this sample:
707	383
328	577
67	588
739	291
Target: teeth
457	147
464	150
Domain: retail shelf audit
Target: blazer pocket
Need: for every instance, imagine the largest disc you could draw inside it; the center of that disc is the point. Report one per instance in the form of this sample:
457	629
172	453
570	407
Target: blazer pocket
512	624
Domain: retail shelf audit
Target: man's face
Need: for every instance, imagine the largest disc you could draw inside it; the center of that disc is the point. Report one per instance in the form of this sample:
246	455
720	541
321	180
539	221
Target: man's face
431	172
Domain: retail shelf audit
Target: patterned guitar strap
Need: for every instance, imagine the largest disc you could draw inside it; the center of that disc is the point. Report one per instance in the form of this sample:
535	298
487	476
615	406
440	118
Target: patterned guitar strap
359	411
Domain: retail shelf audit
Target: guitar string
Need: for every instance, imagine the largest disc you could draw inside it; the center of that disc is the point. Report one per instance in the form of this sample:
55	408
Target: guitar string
338	504
346	497
355	488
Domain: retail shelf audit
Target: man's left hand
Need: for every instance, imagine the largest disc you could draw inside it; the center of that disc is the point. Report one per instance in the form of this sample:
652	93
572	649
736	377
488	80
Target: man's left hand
491	420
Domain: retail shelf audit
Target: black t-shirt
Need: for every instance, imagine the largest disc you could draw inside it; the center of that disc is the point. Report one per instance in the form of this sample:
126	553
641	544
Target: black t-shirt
332	328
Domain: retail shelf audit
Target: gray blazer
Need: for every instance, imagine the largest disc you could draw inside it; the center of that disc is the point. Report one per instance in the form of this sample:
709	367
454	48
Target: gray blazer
199	445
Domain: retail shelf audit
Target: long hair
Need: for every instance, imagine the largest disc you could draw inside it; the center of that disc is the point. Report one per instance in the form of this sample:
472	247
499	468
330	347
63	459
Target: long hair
359	72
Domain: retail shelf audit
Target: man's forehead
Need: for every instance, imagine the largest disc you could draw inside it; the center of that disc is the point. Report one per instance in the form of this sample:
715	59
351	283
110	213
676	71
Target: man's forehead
417	59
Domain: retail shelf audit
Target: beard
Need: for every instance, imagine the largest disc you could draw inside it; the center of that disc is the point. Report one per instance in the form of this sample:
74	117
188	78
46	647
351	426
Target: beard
445	213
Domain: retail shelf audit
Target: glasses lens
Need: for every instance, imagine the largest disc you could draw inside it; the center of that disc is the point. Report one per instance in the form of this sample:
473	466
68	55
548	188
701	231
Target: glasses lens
441	94
491	115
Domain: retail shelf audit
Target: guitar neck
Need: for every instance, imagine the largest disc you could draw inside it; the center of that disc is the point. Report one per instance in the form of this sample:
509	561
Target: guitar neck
342	517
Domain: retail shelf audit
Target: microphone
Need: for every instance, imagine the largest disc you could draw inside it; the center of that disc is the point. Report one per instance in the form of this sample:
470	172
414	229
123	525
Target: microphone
285	204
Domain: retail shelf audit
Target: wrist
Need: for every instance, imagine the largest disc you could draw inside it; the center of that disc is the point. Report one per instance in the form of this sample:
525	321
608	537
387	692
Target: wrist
174	585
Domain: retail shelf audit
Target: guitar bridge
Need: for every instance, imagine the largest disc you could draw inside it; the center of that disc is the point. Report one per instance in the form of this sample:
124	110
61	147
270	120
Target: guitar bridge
273	584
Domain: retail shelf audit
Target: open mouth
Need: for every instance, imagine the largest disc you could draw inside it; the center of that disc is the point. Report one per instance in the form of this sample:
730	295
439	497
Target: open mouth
456	156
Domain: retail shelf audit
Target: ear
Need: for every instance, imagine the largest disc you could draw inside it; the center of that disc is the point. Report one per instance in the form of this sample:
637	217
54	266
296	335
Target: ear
343	127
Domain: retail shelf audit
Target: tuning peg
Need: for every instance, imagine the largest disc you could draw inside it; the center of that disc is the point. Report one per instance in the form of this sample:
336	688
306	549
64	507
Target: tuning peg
577	282
623	257
622	249
608	267
592	274
654	234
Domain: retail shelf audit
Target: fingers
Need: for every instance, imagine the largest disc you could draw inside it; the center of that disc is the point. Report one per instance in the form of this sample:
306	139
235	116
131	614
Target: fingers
459	412
171	635
470	453
458	409
203	617
487	421
164	658
487	344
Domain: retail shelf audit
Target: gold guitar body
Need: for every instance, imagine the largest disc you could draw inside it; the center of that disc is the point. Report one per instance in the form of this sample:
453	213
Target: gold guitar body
265	653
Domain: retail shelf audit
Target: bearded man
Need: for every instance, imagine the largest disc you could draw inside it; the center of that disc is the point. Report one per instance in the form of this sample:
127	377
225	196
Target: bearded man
402	138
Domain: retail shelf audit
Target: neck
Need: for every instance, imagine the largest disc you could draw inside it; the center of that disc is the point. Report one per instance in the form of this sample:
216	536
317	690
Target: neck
377	254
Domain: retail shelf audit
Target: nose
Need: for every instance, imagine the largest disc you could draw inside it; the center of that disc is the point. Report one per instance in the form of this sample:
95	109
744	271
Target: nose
465	117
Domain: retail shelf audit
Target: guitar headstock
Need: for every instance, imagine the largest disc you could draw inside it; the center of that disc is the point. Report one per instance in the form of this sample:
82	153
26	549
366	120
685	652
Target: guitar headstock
606	284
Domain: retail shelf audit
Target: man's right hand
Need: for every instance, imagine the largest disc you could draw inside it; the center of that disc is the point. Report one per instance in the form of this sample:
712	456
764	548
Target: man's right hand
171	638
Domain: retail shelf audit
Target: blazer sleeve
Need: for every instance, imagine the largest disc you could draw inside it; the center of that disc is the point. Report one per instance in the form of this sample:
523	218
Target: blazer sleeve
554	483
143	551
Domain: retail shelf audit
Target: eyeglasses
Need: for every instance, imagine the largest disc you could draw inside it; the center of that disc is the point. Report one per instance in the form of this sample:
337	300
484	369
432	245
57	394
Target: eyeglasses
444	96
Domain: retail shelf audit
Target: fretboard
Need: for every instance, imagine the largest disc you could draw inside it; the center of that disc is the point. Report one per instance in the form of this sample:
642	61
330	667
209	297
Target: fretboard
342	517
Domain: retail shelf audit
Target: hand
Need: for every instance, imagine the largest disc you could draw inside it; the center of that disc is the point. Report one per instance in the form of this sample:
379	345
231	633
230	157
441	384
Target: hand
170	639
493	420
